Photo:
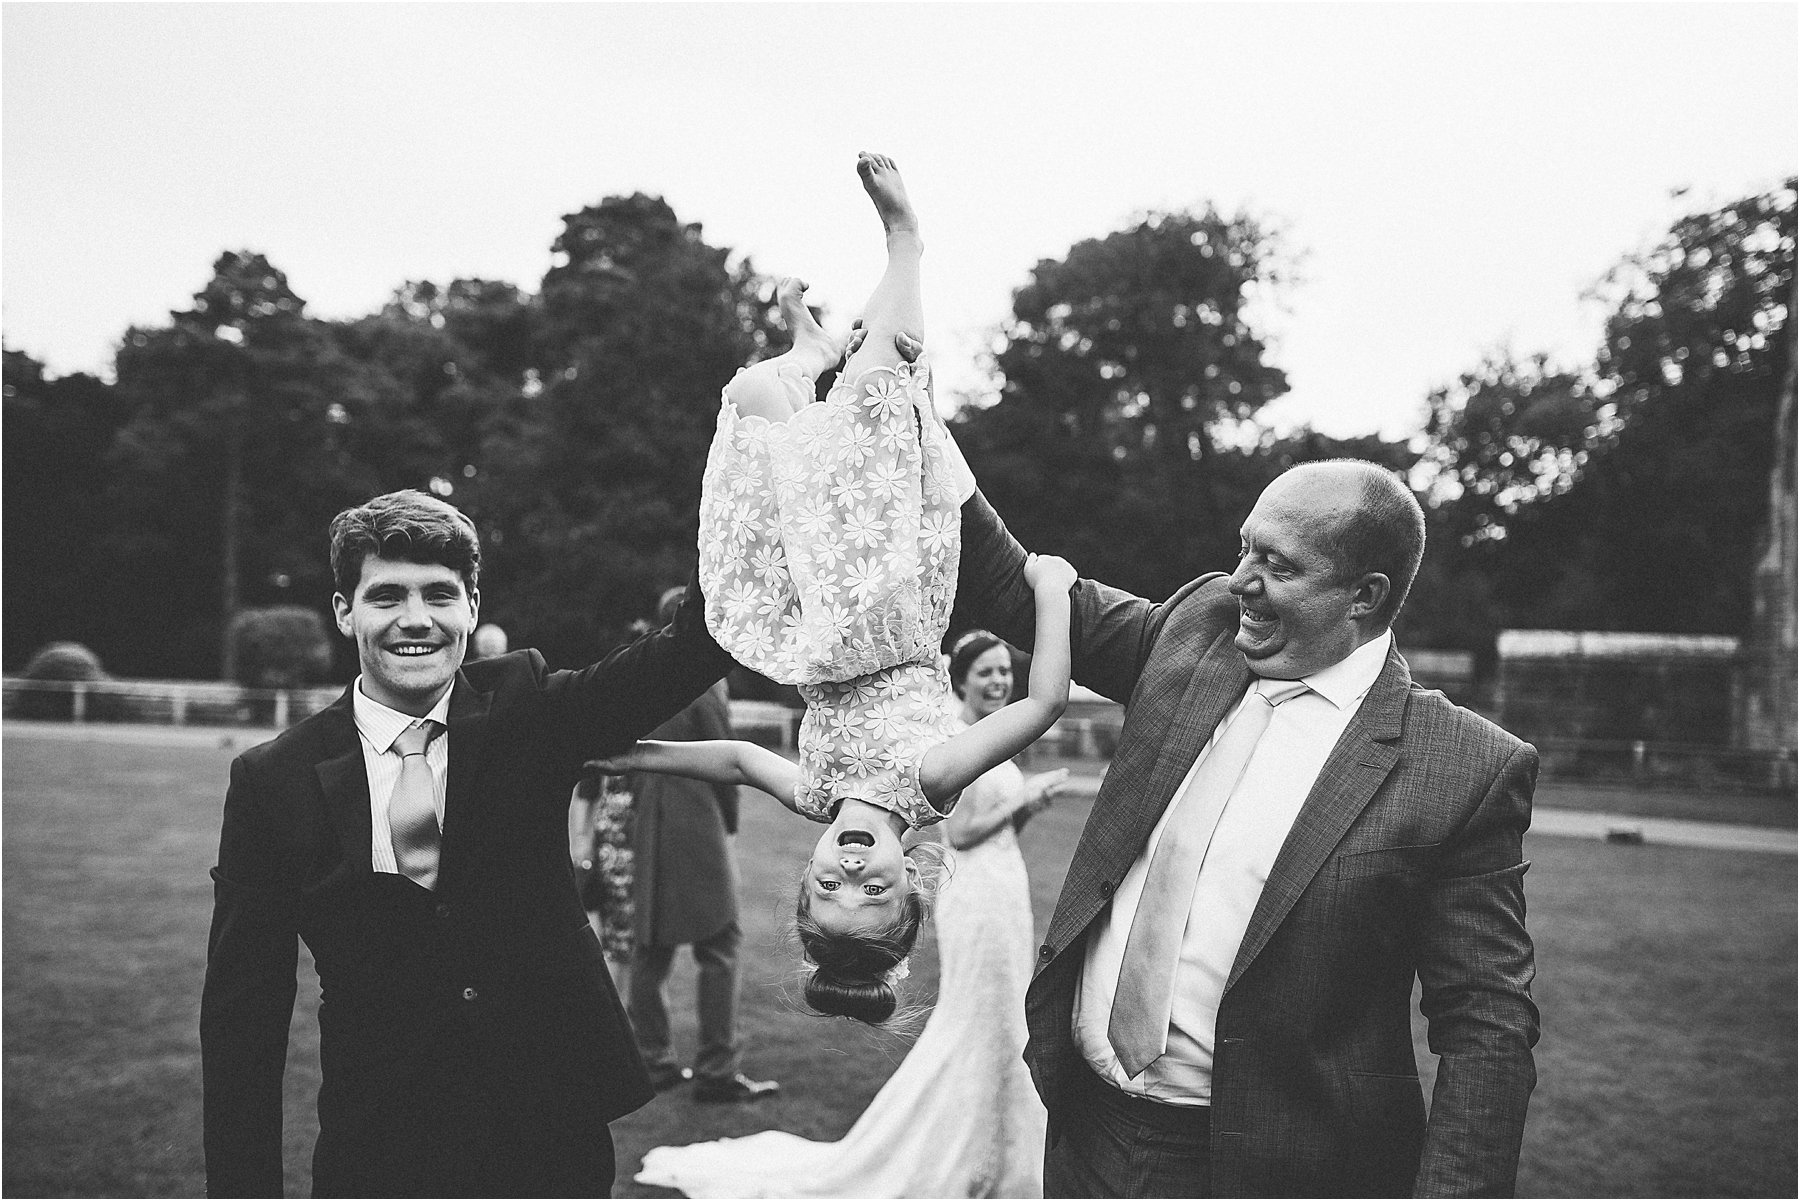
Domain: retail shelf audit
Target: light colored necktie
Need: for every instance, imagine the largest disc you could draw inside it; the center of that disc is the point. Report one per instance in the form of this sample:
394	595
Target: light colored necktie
412	807
1139	1026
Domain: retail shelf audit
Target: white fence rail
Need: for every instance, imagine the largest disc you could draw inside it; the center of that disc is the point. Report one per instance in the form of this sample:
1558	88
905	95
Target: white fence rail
164	702
198	703
1090	729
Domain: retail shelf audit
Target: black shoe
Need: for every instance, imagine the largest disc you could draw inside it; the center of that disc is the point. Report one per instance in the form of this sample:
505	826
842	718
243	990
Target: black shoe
737	1088
665	1078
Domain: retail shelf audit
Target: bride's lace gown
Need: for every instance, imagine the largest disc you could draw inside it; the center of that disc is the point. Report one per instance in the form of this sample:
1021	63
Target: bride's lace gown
959	1117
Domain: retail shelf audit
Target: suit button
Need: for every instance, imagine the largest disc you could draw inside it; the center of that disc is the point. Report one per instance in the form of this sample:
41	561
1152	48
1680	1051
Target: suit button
587	865
1046	951
1106	888
443	910
469	994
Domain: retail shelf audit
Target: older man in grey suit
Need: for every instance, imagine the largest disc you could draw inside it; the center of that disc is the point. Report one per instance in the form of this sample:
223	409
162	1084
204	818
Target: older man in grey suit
1290	833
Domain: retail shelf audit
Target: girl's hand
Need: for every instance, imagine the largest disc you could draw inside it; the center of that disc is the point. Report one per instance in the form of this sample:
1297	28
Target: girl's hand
615	765
1047	573
905	345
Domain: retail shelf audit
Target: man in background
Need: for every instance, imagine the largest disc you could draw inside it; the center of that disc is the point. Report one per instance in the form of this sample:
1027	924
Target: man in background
686	893
489	642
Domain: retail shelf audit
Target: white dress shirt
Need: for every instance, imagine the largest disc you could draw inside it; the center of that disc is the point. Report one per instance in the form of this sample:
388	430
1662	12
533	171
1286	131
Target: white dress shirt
1249	836
379	726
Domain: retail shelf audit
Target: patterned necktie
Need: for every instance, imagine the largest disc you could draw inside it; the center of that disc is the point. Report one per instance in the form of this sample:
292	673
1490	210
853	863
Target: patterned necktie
1139	1026
412	807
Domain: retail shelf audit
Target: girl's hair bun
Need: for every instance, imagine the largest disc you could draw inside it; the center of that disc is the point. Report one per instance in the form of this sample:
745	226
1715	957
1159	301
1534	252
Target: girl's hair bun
871	1001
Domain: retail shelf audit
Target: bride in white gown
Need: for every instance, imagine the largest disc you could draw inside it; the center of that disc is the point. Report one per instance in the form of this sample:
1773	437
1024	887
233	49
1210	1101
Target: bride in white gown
959	1117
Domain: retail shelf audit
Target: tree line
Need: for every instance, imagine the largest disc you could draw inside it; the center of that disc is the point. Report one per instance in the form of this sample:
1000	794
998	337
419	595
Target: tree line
571	423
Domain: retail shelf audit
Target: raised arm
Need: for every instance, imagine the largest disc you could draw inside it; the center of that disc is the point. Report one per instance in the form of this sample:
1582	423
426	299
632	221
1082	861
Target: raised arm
606	707
716	761
1110	630
955	764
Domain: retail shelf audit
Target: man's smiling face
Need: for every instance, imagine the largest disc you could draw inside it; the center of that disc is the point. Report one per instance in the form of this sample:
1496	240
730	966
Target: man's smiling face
1297	611
411	623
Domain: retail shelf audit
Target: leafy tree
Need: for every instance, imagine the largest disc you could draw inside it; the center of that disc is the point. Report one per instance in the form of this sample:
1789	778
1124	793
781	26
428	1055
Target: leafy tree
1665	517
281	646
57	433
1511	433
1129	371
493	322
64	662
229	467
590	507
1509	436
440	367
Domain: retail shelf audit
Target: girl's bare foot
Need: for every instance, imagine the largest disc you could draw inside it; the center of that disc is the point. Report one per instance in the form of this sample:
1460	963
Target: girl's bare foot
881	180
814	349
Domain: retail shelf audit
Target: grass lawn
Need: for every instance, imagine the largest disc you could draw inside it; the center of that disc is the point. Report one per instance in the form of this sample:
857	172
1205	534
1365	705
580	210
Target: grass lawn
1666	979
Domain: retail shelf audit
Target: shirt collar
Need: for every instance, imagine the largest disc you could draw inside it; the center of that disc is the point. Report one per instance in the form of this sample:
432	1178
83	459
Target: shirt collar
381	725
1345	682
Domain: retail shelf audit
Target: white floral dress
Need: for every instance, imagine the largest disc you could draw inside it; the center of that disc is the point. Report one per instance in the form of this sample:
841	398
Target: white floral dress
828	558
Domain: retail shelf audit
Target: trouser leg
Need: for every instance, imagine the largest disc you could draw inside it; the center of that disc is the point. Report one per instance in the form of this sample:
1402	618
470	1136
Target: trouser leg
648	1003
720	1051
1115	1146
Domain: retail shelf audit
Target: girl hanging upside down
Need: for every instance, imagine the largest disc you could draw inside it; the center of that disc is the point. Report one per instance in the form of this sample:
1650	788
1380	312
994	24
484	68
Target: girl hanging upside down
829	541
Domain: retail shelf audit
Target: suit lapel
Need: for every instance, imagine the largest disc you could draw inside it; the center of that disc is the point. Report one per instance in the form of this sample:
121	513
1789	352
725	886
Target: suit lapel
1185	713
468	734
1364	755
344	778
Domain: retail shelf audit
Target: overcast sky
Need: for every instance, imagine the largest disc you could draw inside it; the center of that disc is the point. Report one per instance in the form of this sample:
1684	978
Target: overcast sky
1454	175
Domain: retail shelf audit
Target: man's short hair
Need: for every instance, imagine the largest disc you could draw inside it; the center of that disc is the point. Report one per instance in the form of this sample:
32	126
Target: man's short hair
409	525
487	642
1386	535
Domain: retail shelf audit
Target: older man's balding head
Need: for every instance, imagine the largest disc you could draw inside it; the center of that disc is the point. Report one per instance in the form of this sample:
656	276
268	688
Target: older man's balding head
1380	524
1329	553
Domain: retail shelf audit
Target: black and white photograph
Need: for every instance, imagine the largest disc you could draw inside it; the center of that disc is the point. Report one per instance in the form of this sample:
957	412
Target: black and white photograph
899	599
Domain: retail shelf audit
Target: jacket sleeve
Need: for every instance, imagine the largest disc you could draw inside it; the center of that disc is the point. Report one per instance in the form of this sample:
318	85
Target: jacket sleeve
1475	971
247	1003
1111	630
606	707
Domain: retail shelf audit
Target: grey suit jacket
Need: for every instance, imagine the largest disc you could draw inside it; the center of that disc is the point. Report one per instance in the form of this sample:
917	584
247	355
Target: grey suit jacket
1403	863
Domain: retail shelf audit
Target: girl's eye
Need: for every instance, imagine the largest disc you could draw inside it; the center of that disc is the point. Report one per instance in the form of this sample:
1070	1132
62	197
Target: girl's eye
874	890
829	885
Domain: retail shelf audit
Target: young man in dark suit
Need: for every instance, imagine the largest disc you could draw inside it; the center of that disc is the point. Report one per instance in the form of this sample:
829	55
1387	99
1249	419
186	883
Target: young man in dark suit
414	835
1290	833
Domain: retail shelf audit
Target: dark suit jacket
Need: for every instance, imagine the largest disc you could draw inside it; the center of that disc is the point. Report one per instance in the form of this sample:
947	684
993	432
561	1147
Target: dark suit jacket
464	1030
686	885
1404	860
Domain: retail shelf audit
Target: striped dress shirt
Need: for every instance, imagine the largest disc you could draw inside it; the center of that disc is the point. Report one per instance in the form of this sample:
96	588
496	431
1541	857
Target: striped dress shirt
378	726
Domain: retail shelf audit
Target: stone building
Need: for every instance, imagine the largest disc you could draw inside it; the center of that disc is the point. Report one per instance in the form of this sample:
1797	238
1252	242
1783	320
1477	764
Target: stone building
1765	714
